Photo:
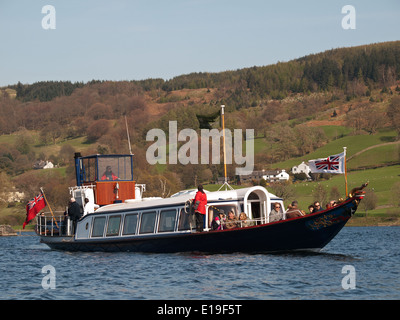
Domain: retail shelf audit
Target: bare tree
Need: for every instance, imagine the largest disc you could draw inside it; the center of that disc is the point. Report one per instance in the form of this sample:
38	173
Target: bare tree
370	201
395	191
321	194
393	113
164	188
283	190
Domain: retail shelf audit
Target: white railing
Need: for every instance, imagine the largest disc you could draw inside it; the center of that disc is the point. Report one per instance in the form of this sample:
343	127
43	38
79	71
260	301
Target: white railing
57	225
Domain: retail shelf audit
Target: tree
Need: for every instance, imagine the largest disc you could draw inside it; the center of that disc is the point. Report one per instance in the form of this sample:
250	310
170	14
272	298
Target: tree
50	133
283	190
99	111
66	153
395	191
159	185
334	194
97	129
374	120
320	194
300	176
5	187
23	143
370	201
393	113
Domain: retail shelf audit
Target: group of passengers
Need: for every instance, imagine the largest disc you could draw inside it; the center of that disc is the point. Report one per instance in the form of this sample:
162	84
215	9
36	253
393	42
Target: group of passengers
221	222
293	210
315	207
277	214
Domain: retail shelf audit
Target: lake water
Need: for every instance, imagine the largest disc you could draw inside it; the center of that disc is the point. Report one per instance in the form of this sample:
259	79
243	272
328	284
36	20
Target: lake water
364	258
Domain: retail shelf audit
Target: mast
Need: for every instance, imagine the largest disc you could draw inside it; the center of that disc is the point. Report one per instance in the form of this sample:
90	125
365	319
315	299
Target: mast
223	133
127	133
226	184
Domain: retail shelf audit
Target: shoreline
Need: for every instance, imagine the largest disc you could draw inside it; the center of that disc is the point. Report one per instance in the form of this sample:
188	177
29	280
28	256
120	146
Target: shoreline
373	222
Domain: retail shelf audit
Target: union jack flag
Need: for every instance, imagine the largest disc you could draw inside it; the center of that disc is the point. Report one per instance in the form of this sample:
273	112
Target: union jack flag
331	164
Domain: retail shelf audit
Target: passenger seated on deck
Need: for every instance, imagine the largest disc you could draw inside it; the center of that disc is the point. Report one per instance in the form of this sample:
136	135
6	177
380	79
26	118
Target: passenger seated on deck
276	213
331	204
232	221
317	206
219	221
294	211
243	220
109	175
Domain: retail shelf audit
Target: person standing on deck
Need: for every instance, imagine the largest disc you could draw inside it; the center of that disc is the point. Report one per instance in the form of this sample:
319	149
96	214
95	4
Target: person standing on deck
200	202
88	207
74	212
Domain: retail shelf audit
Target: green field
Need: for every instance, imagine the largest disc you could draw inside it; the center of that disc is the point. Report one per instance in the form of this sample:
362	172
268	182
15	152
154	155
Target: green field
354	144
380	180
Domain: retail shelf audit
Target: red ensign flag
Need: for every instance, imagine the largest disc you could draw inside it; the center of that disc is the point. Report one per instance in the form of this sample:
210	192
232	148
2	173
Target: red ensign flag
33	207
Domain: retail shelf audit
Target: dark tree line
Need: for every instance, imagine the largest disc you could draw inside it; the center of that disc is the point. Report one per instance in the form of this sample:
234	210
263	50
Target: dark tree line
372	65
45	90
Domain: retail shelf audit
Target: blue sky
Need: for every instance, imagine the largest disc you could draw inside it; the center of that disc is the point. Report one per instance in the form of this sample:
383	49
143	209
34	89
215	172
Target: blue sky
140	39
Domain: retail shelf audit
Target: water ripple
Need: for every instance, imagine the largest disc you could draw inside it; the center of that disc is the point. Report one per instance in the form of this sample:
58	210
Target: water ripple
373	252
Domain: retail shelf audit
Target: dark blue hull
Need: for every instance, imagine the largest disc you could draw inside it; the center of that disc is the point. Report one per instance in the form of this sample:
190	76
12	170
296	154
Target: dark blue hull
310	232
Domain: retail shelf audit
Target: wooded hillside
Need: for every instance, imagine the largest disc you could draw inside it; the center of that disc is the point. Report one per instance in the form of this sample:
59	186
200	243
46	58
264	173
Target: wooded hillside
294	107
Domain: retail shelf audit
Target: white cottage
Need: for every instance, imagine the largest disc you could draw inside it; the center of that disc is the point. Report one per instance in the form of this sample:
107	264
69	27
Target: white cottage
302	168
267	175
43	165
283	175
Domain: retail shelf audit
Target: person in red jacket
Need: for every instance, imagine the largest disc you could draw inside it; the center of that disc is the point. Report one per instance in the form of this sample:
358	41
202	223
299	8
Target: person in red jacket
109	175
200	202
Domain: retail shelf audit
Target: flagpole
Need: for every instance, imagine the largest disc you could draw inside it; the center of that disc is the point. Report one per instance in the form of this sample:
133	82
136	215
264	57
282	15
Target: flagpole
345	169
51	211
226	184
223	133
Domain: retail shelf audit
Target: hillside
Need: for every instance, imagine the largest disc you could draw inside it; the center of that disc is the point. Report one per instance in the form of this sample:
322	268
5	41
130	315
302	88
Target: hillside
300	110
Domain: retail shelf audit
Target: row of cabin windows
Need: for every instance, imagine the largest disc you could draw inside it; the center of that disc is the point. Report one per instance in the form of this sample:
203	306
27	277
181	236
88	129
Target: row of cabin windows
166	223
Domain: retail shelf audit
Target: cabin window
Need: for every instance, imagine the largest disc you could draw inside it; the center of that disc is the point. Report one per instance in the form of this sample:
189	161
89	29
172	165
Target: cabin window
98	226
115	168
113	226
147	222
88	169
167	221
184	220
130	224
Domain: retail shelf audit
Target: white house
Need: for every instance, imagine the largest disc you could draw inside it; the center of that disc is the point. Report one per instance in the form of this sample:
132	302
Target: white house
267	175
302	168
43	165
48	165
283	175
